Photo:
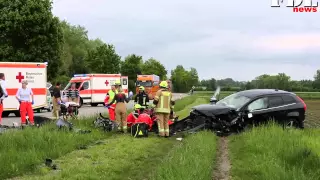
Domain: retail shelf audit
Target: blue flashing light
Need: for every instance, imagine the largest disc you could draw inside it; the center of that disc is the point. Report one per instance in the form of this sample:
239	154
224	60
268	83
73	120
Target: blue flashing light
80	75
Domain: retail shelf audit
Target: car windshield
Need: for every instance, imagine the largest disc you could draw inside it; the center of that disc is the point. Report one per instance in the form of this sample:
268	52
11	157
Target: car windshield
144	83
234	100
69	85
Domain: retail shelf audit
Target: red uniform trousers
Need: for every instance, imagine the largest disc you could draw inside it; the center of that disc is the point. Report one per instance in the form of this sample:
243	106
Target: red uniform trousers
26	107
112	113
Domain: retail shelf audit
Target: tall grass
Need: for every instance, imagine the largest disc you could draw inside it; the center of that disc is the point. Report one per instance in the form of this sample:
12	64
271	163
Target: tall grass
21	151
119	157
269	152
192	159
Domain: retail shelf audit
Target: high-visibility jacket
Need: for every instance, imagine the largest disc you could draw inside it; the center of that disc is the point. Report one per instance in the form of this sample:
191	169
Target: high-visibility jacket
110	96
164	98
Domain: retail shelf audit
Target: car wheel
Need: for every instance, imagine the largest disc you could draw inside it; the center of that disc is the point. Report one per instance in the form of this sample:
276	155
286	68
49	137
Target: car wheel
292	123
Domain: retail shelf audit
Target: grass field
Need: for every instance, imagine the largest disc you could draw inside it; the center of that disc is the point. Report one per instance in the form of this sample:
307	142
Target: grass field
137	157
273	153
261	153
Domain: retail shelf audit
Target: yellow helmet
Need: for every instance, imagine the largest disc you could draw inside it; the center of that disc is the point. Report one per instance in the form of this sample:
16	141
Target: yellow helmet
137	106
141	88
164	84
118	82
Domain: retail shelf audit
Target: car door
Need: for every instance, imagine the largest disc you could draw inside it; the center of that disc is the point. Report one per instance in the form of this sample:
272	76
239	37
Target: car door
257	111
276	108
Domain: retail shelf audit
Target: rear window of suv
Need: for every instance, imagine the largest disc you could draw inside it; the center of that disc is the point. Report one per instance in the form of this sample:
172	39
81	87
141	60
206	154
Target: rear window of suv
275	101
288	99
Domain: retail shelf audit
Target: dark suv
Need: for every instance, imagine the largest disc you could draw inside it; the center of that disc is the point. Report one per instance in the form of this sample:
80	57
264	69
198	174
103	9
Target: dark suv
251	107
263	104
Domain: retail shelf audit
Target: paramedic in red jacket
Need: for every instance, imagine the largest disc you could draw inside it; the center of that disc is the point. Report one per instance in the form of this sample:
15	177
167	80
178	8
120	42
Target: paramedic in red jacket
133	115
145	118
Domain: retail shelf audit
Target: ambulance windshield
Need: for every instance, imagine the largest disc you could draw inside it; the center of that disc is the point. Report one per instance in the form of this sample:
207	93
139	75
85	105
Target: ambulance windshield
69	85
144	83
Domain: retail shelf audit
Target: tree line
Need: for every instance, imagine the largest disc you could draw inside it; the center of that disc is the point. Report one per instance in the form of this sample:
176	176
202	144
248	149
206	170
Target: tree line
279	81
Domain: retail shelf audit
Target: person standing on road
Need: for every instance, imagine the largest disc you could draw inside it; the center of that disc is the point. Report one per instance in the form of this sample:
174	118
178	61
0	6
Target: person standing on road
26	99
142	98
73	95
3	94
110	96
163	102
121	109
56	100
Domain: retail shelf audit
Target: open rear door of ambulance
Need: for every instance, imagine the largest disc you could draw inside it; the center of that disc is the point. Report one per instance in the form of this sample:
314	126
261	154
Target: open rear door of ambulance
125	84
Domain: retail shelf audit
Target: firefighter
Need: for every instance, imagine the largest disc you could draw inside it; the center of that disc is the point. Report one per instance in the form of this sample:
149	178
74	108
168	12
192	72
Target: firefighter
121	109
163	107
110	95
142	98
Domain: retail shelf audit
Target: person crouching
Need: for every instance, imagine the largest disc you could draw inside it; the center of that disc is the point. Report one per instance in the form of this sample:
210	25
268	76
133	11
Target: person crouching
26	99
133	116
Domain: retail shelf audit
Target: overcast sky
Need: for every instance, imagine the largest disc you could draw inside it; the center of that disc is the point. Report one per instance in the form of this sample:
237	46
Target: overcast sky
237	39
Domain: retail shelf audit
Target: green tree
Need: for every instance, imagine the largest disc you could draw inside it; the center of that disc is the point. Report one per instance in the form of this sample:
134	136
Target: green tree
30	33
183	80
131	66
316	83
152	66
104	59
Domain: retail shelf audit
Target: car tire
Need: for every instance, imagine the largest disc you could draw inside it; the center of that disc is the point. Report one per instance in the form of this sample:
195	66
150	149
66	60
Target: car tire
292	123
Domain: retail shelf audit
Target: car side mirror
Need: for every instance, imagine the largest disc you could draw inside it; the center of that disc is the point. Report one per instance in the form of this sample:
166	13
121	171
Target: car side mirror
213	100
248	113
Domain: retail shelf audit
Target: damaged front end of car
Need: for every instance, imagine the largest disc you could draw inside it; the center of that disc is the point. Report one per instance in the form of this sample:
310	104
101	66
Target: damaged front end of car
222	120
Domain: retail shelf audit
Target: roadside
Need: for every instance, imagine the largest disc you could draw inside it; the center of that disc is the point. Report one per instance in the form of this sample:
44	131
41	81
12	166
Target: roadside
86	110
113	156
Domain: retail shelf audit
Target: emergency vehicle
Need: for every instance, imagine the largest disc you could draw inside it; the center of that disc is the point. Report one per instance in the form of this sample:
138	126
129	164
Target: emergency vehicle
93	88
150	83
15	73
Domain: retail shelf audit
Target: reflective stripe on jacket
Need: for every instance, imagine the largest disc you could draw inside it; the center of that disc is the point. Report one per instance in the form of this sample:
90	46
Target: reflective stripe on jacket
111	95
164	103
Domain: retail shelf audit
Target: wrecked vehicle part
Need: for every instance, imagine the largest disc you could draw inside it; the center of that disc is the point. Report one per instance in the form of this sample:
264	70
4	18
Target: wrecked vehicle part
104	123
243	109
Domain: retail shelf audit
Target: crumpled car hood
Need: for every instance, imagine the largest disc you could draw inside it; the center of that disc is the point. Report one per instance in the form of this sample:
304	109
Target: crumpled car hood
212	110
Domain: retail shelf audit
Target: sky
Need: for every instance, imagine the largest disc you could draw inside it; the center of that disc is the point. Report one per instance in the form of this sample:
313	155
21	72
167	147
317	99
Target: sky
220	38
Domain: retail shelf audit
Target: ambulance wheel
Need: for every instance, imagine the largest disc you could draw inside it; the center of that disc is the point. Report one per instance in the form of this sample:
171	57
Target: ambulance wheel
94	104
5	114
17	113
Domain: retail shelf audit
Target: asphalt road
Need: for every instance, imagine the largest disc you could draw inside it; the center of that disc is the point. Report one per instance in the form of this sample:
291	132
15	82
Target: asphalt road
85	110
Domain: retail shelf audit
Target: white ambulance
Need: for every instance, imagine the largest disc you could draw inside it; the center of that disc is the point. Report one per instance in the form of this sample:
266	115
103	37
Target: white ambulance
94	87
15	73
